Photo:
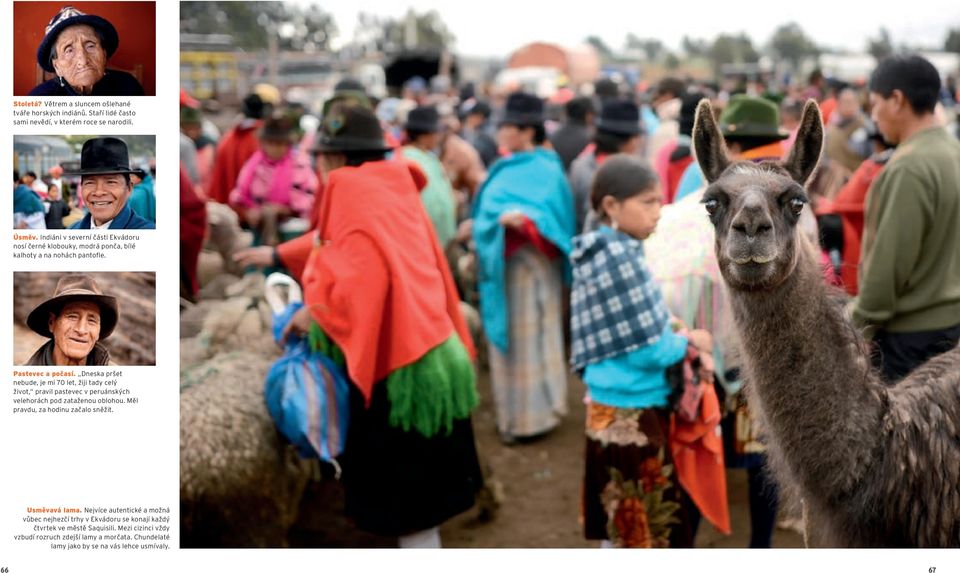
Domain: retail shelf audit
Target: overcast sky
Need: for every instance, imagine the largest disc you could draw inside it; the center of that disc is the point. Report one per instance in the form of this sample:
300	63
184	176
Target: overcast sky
497	27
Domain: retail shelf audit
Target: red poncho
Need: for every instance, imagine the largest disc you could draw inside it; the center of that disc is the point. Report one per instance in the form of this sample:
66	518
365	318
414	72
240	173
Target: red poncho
234	149
193	227
379	284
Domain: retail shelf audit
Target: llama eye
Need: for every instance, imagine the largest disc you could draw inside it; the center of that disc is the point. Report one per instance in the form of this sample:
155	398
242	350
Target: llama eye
796	205
712	205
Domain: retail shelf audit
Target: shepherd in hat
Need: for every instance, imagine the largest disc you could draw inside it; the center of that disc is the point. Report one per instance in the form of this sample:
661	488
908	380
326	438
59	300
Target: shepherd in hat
423	138
76	47
105	186
75	319
276	183
380	299
523	222
617	131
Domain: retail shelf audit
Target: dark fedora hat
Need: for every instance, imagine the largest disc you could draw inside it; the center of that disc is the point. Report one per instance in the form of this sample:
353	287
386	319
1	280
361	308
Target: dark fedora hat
75	288
621	117
523	110
278	127
753	117
70	16
425	119
350	128
104	156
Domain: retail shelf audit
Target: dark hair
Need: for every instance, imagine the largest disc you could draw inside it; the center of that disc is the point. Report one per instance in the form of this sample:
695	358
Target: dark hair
413	134
539	134
358	158
913	75
578	108
621	177
608	142
16	176
673	86
31	174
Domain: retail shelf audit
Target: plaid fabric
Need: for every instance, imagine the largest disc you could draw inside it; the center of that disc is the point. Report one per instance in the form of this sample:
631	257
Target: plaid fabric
529	380
615	306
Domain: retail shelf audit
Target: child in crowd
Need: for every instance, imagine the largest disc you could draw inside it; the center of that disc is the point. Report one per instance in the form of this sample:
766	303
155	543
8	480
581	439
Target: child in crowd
275	184
622	344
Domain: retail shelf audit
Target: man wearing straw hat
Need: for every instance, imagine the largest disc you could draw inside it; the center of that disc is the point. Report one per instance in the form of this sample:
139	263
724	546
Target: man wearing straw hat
75	319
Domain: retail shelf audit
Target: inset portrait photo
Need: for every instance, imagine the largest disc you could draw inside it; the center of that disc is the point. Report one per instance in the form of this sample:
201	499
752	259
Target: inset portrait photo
84	48
84	319
84	182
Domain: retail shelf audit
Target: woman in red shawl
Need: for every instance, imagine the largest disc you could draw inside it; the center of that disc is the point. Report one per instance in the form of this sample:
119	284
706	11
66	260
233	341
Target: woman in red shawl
380	299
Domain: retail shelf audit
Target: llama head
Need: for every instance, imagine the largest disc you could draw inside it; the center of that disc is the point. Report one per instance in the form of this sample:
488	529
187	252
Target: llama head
755	207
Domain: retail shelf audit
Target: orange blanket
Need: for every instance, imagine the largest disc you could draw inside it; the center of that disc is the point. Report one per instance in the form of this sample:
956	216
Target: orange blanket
698	455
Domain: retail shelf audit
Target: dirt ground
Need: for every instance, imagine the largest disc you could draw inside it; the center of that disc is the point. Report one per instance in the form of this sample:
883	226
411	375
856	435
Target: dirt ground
540	485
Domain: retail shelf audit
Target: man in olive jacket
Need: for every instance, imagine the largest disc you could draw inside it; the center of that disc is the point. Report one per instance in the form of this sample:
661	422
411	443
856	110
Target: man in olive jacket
910	271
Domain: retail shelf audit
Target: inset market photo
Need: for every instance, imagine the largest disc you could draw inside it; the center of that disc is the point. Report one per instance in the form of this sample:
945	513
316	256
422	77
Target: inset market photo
84	48
84	319
84	182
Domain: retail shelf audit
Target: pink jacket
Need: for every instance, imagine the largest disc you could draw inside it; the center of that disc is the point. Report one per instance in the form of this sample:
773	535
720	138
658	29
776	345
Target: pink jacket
289	182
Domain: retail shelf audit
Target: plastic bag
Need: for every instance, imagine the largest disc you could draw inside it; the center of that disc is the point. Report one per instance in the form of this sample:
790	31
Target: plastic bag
308	396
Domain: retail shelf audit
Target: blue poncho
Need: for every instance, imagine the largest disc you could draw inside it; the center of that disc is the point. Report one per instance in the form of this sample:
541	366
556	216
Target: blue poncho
533	183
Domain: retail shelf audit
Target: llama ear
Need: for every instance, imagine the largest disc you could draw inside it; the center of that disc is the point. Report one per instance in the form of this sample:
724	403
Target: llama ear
805	155
708	143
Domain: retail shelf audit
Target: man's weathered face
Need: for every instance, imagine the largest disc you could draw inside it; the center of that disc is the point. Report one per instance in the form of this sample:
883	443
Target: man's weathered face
79	57
104	195
76	329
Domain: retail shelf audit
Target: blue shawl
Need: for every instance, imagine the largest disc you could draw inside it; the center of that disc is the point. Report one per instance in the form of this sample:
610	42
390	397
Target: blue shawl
616	306
534	184
26	201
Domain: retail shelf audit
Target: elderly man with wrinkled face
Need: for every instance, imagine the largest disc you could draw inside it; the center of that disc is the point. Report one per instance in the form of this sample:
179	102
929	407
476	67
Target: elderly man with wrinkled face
75	319
76	47
105	186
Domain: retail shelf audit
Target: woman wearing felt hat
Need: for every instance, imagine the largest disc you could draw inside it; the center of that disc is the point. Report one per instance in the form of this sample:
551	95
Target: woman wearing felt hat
75	319
523	222
380	299
76	47
105	186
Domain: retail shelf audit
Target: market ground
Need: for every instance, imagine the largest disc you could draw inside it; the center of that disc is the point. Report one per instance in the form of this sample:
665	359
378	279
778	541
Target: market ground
540	487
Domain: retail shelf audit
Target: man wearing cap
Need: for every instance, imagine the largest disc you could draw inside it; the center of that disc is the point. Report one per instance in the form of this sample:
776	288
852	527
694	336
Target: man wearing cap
618	131
523	223
105	186
76	47
423	136
75	319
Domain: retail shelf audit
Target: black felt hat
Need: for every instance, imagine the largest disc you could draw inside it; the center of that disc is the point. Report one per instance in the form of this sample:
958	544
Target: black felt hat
425	119
70	16
523	110
105	156
350	128
75	288
620	117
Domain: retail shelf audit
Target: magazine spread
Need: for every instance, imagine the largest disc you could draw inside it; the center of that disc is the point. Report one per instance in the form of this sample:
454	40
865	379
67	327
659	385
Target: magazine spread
502	283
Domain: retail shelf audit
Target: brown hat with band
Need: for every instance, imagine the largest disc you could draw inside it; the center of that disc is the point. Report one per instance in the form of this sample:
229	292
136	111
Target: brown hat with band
75	288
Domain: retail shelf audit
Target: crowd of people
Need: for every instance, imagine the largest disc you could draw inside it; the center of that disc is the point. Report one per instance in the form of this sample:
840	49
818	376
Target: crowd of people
586	246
